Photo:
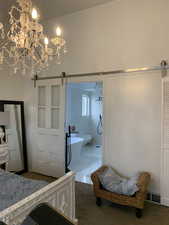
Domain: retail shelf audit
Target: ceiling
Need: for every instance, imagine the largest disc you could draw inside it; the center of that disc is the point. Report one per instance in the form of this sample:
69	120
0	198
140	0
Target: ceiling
52	8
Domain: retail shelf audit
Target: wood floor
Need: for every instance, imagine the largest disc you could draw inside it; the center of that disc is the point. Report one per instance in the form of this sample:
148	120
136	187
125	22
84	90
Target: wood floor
109	214
37	176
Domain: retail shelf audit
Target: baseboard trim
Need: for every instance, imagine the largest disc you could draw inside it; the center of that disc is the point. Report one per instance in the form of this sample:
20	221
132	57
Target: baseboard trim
165	201
154	198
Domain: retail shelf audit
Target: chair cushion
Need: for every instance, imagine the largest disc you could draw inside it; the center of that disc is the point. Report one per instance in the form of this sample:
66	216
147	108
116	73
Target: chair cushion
115	183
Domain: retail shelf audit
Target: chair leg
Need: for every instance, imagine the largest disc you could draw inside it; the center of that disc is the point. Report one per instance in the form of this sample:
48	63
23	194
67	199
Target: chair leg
139	213
98	201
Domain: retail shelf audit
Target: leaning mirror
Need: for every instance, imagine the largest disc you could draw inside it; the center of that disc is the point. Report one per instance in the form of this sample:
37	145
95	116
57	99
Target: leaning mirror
15	135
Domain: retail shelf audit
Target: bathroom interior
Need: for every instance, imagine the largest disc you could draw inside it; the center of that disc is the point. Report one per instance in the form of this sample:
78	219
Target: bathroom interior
84	121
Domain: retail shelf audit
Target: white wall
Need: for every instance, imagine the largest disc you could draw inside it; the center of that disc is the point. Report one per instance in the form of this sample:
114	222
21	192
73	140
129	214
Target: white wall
121	34
11	86
118	34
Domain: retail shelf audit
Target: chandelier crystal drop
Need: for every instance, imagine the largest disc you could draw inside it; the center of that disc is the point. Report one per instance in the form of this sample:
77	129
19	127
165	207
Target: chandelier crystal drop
25	47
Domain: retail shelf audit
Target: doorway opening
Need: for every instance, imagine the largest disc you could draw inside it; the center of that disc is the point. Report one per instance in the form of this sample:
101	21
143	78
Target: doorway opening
84	120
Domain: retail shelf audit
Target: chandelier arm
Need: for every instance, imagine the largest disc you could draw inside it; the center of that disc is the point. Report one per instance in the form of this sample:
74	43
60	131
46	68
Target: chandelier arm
37	61
11	13
23	53
3	44
39	55
18	58
14	8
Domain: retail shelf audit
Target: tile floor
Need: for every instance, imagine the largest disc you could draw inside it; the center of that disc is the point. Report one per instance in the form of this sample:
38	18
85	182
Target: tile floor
91	159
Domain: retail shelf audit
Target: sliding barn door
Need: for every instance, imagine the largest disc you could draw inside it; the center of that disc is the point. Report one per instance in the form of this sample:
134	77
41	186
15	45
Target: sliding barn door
50	138
165	144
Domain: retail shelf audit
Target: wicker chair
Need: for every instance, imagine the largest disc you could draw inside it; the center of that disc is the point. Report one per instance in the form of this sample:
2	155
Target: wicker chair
136	201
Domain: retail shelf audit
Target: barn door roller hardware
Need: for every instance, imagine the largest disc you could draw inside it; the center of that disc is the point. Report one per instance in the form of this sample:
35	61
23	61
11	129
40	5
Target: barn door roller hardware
162	67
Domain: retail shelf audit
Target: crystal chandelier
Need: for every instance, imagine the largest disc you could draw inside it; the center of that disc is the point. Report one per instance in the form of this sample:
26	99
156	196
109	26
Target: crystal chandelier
25	47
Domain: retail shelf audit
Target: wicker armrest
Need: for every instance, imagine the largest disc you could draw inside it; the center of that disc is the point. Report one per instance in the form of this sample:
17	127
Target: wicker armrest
143	182
136	201
95	178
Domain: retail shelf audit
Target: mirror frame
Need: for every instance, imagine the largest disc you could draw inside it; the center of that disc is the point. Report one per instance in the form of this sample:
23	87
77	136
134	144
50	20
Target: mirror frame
24	143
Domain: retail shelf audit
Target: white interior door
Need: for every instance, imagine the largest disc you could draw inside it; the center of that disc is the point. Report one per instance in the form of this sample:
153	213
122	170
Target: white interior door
50	138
